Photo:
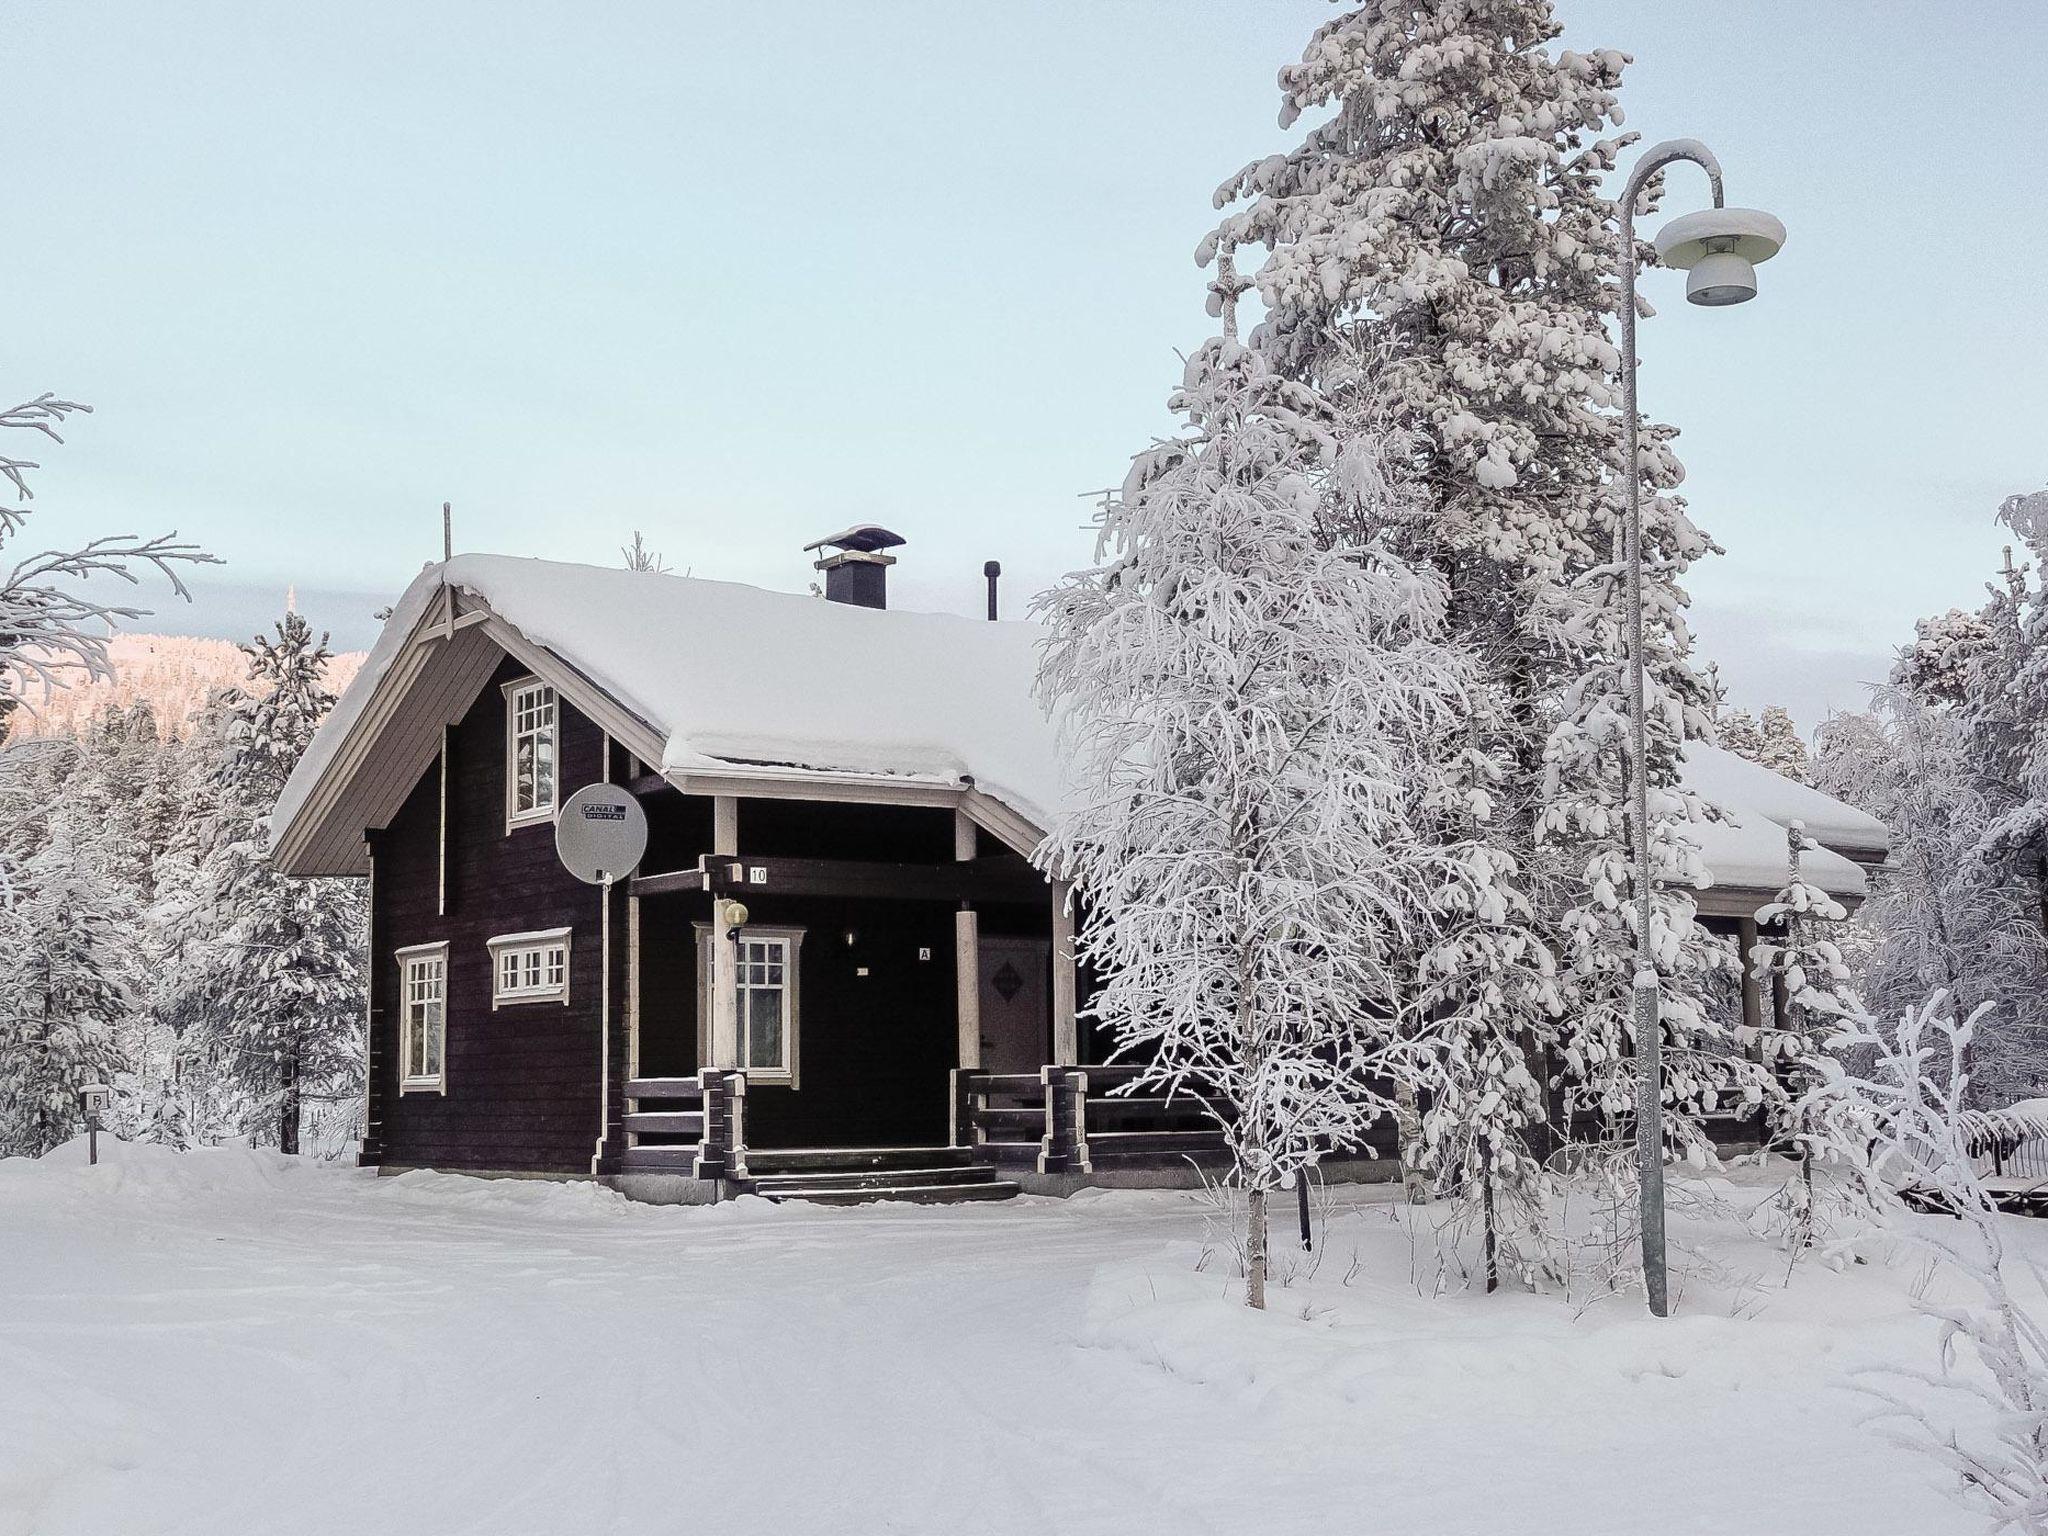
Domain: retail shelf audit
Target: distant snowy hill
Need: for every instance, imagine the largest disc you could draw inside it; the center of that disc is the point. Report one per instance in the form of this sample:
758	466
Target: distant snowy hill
174	673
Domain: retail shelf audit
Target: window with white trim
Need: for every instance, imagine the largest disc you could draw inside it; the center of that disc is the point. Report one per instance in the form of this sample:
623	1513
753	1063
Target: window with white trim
423	1019
530	967
532	741
766	996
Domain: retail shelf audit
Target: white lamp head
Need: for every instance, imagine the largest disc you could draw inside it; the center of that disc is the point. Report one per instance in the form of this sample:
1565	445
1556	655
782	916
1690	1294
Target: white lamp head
1719	249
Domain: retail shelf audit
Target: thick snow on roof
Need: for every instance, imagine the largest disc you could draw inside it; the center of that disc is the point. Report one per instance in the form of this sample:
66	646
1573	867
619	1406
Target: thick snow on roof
732	676
1726	779
1747	850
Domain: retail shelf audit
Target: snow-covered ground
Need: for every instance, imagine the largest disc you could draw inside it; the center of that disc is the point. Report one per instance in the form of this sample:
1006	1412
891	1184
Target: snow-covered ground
229	1341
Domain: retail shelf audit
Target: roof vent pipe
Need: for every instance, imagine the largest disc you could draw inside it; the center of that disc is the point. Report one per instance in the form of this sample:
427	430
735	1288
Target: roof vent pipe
857	571
993	570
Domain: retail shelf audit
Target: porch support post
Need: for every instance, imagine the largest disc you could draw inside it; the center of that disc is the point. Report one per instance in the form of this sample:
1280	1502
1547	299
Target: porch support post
1752	994
1752	1006
967	956
1066	1039
725	1033
632	990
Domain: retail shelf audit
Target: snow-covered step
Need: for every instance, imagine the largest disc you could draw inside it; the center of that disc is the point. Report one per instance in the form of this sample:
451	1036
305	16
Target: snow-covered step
666	1122
664	1088
767	1160
681	1159
867	1178
917	1194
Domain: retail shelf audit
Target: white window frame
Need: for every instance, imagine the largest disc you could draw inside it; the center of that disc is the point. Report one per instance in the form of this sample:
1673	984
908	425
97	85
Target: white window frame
413	959
792	940
548	950
535	814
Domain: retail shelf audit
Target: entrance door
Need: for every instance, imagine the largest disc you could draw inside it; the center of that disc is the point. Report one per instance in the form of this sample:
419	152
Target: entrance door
1016	1004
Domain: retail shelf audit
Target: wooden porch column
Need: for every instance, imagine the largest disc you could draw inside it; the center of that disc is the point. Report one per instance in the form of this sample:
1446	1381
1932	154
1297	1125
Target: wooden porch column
725	1029
1752	994
632	989
967	956
1066	1038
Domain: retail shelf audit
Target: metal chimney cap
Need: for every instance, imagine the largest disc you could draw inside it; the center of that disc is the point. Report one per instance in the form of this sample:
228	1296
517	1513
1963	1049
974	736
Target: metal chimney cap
864	537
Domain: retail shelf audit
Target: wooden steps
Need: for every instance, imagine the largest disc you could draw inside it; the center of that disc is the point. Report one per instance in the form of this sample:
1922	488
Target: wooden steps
687	1123
677	1159
913	1194
853	1175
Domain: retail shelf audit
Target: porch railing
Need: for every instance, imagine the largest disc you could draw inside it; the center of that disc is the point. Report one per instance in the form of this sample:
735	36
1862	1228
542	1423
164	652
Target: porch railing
693	1125
1079	1120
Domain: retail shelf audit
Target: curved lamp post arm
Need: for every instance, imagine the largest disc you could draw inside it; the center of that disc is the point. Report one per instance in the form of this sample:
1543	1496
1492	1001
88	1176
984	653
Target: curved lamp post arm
1649	1025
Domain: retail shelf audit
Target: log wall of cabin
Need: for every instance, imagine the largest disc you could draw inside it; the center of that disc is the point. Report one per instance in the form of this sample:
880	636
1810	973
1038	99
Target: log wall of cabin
528	1089
524	1081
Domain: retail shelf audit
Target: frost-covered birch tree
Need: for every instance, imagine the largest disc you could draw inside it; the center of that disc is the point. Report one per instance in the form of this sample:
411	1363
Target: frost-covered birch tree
1941	916
1980	1410
1234	695
62	994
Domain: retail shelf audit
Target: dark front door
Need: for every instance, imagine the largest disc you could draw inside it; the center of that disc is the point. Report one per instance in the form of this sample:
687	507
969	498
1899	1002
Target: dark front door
1016	1004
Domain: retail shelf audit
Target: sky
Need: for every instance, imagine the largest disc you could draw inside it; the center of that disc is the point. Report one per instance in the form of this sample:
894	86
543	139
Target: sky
737	276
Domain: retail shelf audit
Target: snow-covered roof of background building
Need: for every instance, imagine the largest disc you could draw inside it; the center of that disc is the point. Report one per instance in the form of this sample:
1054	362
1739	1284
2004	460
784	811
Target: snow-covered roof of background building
734	678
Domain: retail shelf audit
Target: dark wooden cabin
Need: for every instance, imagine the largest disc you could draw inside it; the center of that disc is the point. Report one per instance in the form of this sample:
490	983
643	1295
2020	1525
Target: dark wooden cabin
899	1010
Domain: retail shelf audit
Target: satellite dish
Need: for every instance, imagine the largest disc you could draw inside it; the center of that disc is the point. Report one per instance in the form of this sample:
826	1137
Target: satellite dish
601	834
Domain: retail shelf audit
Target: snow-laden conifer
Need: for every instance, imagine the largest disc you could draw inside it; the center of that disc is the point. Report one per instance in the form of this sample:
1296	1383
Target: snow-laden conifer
274	996
64	984
1445	218
1489	989
1810	998
1237	699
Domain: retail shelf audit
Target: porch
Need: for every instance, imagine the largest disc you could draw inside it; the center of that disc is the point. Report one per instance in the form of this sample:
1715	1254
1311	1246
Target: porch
896	1026
1050	1132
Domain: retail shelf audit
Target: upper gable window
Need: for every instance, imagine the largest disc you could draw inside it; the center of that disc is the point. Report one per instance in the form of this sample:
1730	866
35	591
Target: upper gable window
533	727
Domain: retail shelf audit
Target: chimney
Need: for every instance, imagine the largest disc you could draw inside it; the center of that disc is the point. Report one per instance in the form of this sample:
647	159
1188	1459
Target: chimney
856	570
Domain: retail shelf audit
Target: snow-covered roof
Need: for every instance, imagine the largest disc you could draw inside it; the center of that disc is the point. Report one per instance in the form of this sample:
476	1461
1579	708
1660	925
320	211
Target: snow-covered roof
1726	779
735	679
734	676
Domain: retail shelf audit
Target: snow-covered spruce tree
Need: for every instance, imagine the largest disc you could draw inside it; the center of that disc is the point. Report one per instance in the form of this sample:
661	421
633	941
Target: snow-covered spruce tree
1939	916
1447	220
278	993
1807	988
1738	732
1780	747
1233	695
1489	989
64	988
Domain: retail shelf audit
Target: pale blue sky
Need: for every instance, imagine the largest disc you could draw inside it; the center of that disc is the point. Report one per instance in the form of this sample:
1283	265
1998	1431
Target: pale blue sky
738	275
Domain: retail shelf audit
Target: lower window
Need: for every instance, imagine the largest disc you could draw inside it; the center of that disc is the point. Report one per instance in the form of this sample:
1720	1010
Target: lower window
530	967
423	1019
765	1000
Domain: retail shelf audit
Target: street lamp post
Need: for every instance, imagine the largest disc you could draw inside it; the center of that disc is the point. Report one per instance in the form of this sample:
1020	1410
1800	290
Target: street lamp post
1719	247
